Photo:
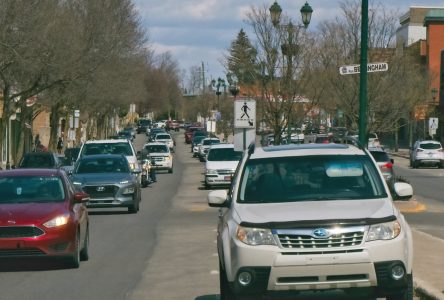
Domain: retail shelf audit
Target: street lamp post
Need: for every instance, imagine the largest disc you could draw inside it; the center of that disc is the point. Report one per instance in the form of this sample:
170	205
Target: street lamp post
220	83
363	76
289	50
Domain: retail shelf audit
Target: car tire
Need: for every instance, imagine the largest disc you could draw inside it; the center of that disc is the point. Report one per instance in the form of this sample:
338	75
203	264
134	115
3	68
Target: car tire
74	259
144	182
225	292
84	253
170	170
407	293
134	208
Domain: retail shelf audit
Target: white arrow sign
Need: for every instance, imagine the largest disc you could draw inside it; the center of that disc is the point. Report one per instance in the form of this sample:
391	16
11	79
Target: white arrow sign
356	69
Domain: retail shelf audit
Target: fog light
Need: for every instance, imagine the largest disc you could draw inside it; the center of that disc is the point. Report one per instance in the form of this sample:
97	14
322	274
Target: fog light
397	272
245	278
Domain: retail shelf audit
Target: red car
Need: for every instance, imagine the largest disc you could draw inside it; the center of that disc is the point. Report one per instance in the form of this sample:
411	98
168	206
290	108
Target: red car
190	132
42	214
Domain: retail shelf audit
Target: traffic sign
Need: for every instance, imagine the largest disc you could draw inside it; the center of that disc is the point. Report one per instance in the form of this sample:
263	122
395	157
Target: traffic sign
356	69
245	113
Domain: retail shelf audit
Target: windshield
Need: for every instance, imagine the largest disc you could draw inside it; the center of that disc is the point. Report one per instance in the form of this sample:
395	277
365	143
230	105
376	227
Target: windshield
224	154
163	137
26	189
111	148
157	148
102	165
310	178
210	142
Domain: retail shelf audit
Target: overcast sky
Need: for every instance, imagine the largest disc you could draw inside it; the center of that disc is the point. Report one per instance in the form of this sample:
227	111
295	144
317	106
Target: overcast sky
196	31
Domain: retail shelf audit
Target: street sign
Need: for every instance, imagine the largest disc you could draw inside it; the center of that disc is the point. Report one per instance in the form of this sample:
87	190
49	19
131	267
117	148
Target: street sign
356	69
245	113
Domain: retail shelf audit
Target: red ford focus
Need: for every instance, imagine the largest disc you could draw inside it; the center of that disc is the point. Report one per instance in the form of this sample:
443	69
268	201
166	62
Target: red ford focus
42	214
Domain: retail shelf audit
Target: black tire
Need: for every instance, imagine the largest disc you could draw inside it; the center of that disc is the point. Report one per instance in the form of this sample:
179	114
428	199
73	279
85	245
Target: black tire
170	170
74	259
84	253
144	182
225	292
134	208
407	293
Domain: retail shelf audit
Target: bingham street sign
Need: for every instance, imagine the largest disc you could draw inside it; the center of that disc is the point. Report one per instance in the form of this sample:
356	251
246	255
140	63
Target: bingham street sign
356	69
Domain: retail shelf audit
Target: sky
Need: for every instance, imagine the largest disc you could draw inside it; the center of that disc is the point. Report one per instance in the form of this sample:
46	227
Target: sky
201	31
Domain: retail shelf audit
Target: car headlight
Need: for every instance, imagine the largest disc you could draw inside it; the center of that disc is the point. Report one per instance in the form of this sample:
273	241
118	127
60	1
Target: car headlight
211	172
124	182
384	231
57	221
132	166
128	190
255	236
76	183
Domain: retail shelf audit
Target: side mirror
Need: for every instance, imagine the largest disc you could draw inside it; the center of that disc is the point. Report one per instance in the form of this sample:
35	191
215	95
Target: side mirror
218	198
81	197
403	191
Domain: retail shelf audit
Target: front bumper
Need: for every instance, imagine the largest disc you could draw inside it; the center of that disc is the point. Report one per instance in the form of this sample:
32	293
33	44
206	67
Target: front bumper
218	180
366	266
53	242
102	196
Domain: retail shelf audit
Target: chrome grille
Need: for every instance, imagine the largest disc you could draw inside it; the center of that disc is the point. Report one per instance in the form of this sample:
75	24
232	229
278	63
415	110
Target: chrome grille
225	172
157	158
100	191
19	231
305	239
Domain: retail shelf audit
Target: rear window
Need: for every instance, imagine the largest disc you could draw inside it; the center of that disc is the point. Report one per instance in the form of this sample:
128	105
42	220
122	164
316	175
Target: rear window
163	137
430	146
310	178
210	142
380	156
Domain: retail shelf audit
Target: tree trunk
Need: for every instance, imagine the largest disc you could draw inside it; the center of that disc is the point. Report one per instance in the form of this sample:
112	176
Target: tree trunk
54	127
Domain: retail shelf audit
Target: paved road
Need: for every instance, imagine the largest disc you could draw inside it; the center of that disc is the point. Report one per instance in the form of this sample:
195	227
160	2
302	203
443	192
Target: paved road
121	245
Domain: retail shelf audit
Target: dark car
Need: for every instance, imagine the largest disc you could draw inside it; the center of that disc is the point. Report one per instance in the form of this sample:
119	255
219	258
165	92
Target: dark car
109	181
46	160
126	134
71	155
189	133
143	125
42	215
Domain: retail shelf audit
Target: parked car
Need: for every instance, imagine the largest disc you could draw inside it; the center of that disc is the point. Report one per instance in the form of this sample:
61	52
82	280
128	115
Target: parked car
189	133
118	146
220	165
385	164
204	146
373	140
427	153
323	138
44	216
160	155
312	217
40	160
109	181
197	140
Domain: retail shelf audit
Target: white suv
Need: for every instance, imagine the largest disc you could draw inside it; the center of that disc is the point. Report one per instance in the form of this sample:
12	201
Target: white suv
221	162
427	153
312	217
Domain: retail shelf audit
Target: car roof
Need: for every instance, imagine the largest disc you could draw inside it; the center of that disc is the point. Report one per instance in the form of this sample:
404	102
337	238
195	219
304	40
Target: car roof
306	150
155	143
429	141
113	141
212	138
31	172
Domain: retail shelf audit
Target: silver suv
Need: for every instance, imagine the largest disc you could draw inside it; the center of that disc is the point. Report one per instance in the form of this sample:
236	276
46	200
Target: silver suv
312	217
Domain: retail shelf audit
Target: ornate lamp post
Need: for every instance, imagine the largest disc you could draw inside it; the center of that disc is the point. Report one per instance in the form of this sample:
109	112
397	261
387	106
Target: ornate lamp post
290	49
220	83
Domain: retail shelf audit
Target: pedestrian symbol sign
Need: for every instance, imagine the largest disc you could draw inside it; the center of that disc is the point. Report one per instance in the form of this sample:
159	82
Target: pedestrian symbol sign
245	113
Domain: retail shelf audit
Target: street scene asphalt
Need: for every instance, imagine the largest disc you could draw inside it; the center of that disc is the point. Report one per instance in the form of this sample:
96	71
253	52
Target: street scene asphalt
428	264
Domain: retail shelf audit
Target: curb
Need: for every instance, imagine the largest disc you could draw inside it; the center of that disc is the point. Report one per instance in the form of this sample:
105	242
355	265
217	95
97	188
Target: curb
426	292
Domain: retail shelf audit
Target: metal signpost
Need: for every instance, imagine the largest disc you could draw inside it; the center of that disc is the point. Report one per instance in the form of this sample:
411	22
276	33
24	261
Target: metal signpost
244	123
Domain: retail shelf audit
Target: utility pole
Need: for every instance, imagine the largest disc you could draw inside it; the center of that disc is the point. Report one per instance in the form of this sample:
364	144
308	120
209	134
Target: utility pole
203	78
363	77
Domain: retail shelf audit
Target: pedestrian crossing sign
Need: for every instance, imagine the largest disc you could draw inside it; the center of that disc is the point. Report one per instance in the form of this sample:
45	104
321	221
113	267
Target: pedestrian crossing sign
245	113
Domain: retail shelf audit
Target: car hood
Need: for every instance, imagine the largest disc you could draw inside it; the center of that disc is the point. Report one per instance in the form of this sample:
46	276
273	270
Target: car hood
220	165
101	178
314	211
29	213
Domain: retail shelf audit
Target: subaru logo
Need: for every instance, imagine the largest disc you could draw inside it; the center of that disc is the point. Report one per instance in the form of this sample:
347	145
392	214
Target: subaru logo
100	188
320	233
